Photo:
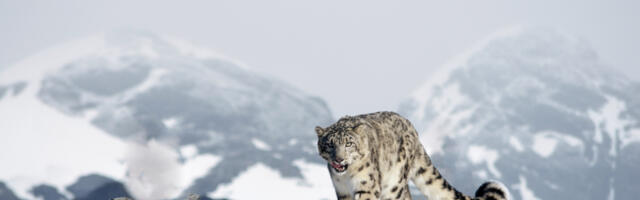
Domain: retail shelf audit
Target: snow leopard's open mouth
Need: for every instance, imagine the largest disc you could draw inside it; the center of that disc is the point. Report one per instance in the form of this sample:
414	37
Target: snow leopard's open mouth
338	167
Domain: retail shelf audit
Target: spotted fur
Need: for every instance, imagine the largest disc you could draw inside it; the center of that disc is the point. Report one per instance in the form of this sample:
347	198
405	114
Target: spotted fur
372	156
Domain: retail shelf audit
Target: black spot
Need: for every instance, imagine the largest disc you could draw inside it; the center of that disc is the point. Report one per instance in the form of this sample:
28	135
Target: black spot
360	169
405	171
482	189
399	193
496	191
362	192
394	188
459	195
445	185
429	181
377	194
367	164
490	198
487	188
371	177
363	182
439	176
342	196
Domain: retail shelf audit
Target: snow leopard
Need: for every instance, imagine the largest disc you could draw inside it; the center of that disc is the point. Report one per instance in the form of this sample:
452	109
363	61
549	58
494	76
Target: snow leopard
373	156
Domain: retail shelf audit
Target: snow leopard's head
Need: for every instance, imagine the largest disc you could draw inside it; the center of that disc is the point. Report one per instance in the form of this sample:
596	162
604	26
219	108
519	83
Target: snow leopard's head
342	144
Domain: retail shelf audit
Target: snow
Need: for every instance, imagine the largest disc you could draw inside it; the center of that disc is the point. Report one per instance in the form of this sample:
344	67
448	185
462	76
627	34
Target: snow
608	119
189	151
152	80
170	122
263	182
423	94
155	172
260	144
543	144
571	140
67	148
42	145
525	192
195	165
195	168
631	136
446	122
612	191
152	169
482	174
515	143
481	154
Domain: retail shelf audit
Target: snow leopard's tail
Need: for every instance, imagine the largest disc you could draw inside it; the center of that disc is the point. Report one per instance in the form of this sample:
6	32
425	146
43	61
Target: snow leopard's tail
434	186
492	191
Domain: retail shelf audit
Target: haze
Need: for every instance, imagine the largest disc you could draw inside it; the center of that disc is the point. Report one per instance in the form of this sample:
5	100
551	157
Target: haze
360	56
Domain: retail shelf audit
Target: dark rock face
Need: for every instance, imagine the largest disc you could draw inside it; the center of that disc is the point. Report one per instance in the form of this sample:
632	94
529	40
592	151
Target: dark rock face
88	184
95	186
107	191
6	192
534	108
14	89
47	192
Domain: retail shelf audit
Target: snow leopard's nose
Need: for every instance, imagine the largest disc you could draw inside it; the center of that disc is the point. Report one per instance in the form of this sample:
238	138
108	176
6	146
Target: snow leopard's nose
339	159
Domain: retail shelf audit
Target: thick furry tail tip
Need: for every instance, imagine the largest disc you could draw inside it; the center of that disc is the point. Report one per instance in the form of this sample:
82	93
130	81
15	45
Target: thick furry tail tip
492	190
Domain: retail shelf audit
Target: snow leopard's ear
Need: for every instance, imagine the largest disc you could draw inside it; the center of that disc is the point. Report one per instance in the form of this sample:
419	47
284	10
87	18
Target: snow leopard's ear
360	128
319	131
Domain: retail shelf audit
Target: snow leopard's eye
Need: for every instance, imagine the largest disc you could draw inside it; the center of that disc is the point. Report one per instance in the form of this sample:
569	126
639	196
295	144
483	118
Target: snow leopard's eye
349	144
329	145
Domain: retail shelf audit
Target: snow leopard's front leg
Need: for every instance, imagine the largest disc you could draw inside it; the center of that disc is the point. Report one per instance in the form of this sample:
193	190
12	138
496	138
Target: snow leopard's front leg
366	186
365	180
341	185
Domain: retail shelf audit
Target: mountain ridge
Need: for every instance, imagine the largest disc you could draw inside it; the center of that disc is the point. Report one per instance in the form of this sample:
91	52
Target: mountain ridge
158	100
534	102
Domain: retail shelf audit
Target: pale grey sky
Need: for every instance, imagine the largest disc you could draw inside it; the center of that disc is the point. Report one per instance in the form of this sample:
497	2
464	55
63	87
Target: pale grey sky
360	55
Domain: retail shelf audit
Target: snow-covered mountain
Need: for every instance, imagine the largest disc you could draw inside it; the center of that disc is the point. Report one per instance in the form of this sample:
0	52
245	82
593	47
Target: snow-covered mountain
537	110
161	116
